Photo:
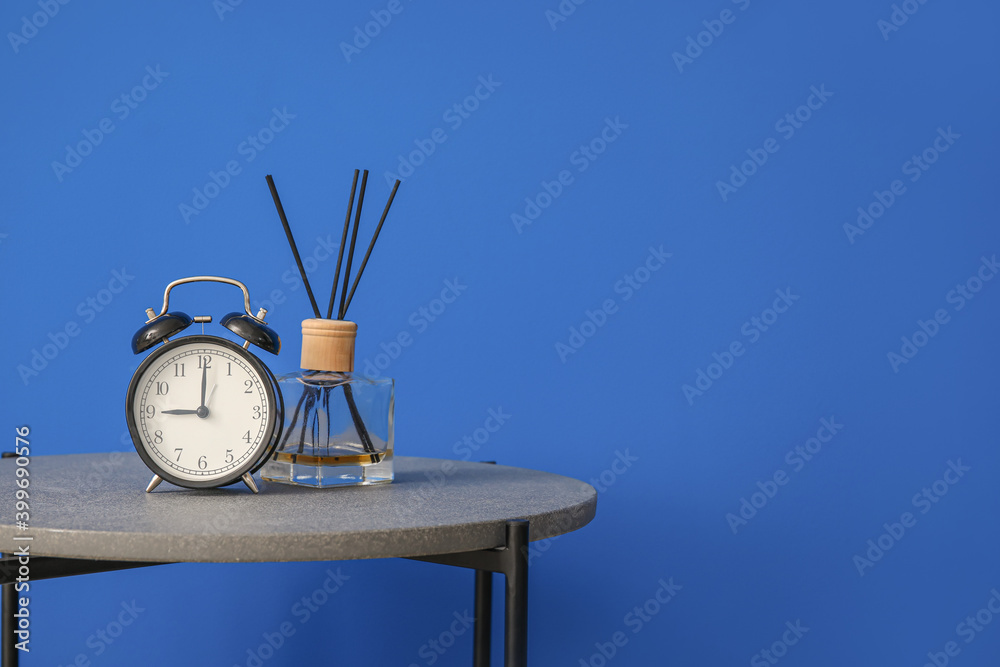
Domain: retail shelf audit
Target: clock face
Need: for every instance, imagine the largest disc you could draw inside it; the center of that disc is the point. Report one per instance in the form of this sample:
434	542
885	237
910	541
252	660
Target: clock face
201	411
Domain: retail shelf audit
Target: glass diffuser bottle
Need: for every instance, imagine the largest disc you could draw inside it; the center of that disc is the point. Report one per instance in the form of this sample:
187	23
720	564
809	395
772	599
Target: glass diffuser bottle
338	428
340	431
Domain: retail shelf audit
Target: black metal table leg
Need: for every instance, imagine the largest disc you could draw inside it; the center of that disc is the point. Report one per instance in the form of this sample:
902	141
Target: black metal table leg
8	653
42	567
482	631
484	619
516	603
512	560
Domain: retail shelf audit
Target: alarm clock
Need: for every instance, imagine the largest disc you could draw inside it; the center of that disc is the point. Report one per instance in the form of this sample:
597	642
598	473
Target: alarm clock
203	411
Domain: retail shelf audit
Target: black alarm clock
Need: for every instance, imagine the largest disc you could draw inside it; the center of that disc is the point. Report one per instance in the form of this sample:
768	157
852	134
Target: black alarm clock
203	411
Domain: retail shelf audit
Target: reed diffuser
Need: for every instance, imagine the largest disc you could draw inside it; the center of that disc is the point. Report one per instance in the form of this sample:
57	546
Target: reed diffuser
340	431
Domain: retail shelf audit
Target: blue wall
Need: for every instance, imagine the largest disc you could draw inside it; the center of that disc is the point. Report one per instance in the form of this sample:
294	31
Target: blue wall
731	261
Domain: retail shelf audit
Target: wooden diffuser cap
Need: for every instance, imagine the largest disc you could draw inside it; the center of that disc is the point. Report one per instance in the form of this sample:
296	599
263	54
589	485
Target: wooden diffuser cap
328	345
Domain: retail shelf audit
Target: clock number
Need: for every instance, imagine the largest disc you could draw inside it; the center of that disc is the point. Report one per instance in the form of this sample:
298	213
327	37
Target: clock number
157	437
179	451
246	436
249	385
229	456
202	463
229	368
256	412
206	360
162	388
179	370
150	411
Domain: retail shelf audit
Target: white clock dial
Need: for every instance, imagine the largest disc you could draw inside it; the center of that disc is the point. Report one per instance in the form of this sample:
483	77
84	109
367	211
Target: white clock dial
202	410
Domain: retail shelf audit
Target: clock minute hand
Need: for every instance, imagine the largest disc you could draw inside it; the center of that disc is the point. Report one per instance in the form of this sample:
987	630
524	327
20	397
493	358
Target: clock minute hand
178	412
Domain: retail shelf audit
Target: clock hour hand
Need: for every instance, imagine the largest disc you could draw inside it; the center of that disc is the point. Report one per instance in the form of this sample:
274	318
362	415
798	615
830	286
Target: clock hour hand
178	412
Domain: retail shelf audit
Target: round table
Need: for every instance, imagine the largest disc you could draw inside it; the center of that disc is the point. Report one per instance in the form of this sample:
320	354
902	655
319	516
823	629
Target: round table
89	513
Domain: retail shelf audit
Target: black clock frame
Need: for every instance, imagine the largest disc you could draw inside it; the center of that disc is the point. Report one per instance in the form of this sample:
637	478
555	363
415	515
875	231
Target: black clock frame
270	389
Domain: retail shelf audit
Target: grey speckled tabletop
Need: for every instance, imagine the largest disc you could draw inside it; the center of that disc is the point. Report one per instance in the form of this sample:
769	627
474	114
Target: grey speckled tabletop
93	506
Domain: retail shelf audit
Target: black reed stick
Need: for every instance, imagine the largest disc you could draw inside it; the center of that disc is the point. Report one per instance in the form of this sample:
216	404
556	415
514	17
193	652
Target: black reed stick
294	420
310	396
343	240
291	242
354	238
371	245
359	424
326	409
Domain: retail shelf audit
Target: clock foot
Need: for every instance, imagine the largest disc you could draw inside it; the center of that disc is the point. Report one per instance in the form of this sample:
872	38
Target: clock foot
153	483
248	480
